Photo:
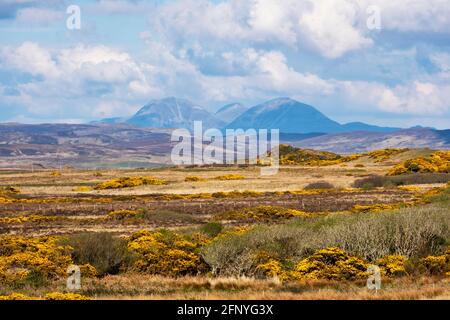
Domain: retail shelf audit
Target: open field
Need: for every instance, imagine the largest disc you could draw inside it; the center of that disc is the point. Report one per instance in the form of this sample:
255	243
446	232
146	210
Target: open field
230	232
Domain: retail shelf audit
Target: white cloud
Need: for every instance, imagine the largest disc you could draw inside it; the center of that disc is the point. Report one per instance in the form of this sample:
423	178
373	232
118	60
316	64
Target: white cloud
30	58
414	98
331	27
328	26
76	79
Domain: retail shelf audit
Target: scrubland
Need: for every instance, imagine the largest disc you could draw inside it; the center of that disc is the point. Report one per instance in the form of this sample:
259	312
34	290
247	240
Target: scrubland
309	232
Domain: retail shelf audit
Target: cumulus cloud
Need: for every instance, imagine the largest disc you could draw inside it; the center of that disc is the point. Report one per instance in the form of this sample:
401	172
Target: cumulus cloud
416	97
328	26
70	77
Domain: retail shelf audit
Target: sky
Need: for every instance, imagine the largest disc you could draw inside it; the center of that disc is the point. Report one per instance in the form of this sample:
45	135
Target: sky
384	62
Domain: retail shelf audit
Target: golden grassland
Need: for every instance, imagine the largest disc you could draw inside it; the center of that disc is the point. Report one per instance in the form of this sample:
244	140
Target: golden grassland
153	287
309	232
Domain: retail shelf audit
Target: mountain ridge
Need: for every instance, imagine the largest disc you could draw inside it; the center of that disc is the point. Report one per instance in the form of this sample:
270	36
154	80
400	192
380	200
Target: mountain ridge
286	114
291	116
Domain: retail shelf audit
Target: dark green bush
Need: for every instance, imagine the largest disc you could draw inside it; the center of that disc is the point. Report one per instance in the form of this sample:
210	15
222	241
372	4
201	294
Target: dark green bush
319	185
212	229
108	254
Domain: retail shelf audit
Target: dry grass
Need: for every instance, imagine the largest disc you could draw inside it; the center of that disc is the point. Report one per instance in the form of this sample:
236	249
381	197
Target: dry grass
154	287
288	178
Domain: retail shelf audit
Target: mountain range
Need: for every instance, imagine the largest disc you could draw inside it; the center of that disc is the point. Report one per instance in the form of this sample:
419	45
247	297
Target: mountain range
144	140
122	145
288	115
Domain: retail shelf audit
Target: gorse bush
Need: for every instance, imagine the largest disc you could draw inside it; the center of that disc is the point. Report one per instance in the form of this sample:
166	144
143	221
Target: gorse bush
108	254
332	264
167	253
296	156
230	177
36	258
291	156
28	218
48	296
82	189
381	207
129	182
437	264
385	154
262	213
437	162
123	214
393	265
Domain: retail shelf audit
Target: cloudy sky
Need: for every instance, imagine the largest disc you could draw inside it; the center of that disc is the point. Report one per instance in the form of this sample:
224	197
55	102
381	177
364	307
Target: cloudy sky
320	52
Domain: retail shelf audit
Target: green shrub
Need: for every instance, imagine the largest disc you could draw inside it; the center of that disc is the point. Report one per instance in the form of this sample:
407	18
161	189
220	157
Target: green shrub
319	185
108	254
212	229
375	181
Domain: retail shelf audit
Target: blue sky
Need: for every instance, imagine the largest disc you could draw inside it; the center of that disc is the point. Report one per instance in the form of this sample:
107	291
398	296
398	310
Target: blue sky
213	53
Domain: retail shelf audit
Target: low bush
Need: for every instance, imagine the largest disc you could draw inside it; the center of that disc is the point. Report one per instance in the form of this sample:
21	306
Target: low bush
262	213
437	264
230	177
385	154
123	214
167	253
24	260
408	179
373	181
108	254
393	265
331	264
48	296
319	185
194	179
129	182
82	189
212	229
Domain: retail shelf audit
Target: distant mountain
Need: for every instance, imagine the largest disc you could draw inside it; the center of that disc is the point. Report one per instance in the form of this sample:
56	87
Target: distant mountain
359	126
230	112
114	120
363	141
288	115
291	116
173	113
122	145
